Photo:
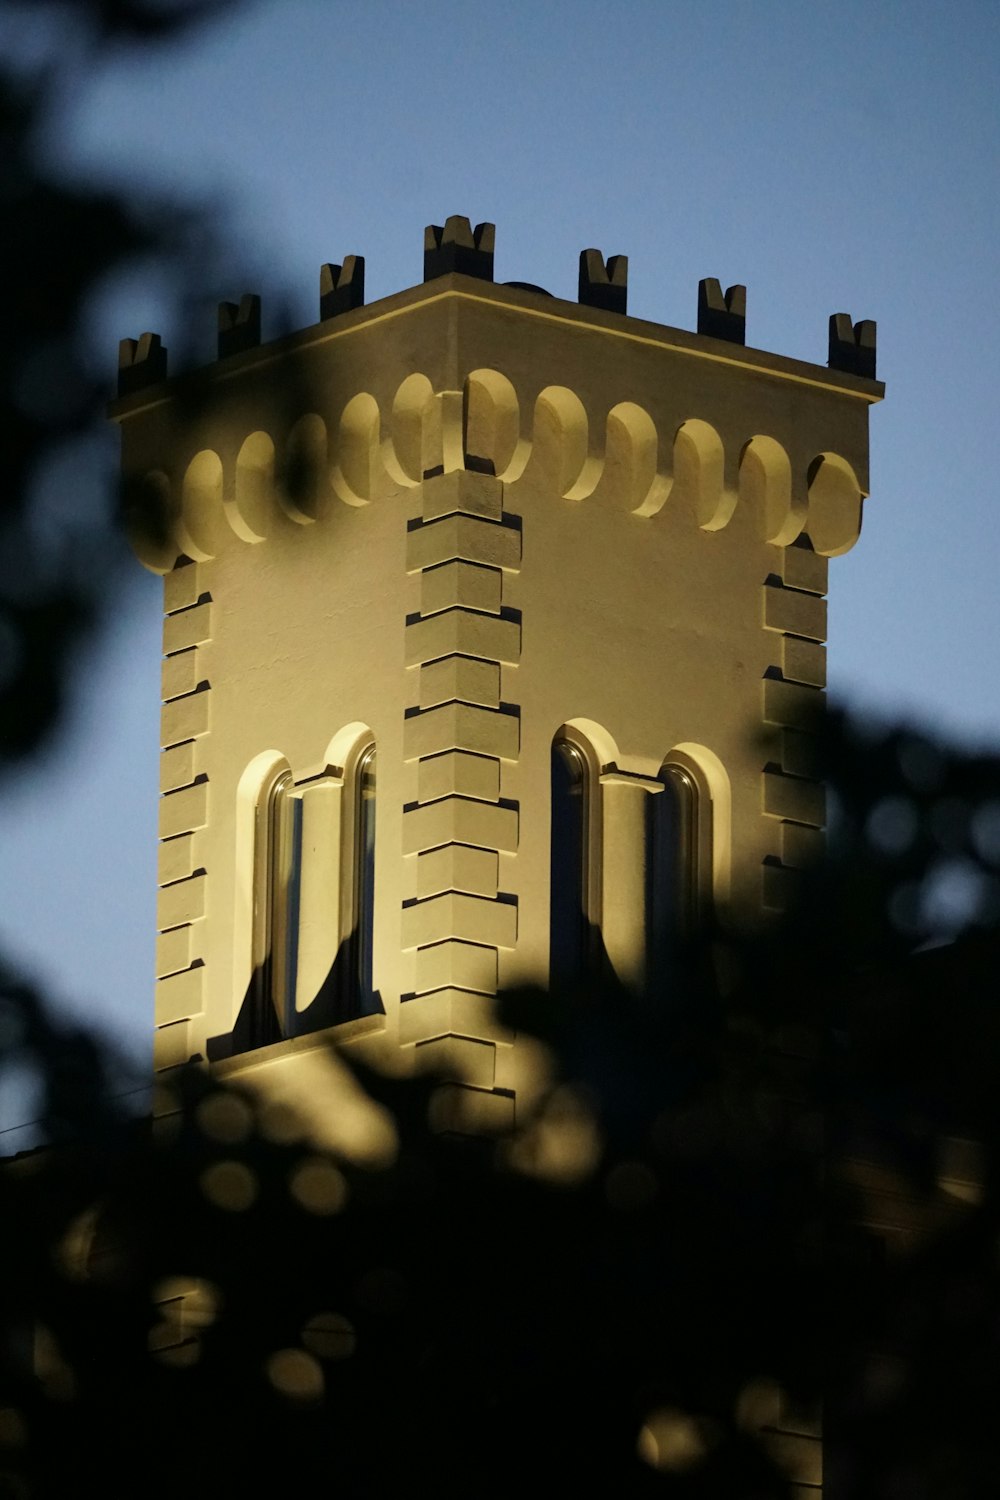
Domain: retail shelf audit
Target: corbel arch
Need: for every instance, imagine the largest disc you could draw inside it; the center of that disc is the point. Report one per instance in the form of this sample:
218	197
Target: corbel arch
151	513
304	487
402	449
766	486
250	512
356	471
561	450
492	425
201	524
699	482
631	462
835	505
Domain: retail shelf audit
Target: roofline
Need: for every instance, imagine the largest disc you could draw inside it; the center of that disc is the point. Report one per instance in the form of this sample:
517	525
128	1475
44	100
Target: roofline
456	287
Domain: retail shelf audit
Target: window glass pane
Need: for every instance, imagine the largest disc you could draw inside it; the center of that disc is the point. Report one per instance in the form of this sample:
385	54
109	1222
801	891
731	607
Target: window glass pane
672	866
365	883
569	874
286	879
273	871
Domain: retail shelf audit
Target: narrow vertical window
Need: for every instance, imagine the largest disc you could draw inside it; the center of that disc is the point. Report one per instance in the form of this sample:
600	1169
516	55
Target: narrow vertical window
354	986
274	886
679	834
364	883
571	905
286	894
313	902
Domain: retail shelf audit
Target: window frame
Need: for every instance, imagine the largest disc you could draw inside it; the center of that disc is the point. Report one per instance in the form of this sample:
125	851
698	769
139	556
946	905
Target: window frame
279	880
590	850
675	917
359	864
270	916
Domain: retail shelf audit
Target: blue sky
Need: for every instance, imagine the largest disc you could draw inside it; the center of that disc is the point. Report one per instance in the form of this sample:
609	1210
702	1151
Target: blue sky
834	157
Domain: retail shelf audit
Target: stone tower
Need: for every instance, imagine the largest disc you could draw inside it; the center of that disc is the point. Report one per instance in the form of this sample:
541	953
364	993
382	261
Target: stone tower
493	649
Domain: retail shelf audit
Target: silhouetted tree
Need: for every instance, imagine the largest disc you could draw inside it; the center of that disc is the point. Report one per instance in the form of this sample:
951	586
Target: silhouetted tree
774	1188
61	241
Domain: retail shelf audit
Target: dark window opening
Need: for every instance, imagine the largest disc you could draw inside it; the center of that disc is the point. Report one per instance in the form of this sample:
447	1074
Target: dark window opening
357	961
570	874
677	829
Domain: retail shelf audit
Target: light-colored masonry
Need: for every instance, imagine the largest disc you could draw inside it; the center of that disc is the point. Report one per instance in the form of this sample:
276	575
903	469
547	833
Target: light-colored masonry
454	524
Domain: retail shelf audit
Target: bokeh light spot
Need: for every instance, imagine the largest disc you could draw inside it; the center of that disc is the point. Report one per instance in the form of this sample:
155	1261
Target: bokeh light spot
892	826
196	1300
562	1143
671	1440
758	1405
952	896
296	1374
317	1186
225	1117
229	1185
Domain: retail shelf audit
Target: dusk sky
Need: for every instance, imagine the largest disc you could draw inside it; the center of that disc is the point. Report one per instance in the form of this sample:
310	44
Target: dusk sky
833	157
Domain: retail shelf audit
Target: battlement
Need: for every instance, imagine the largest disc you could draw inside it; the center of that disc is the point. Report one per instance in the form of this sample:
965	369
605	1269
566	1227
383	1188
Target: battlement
603	283
239	325
722	317
456	248
341	288
141	362
852	347
459	247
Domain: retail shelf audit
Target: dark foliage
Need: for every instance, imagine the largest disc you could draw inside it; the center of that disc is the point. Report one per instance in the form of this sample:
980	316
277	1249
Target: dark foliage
773	1188
60	243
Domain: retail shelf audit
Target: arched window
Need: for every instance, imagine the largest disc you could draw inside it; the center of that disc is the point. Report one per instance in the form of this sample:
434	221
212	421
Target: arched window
679	832
355	960
574	863
275	893
314	900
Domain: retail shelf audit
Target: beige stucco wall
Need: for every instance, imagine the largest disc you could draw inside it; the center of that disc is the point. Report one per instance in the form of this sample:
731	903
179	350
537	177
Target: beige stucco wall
637	572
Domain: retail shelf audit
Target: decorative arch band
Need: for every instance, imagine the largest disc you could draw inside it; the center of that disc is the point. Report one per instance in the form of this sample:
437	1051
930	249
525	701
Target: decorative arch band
620	457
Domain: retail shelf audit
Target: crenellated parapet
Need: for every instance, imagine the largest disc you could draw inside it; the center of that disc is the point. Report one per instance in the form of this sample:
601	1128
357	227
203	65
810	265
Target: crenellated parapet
722	315
456	248
852	346
141	362
603	283
341	288
239	325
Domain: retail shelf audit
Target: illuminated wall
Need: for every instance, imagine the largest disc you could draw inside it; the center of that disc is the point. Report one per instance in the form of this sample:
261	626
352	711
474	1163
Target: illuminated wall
409	551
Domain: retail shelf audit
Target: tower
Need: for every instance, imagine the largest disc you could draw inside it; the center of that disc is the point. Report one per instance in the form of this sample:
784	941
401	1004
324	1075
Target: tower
493	650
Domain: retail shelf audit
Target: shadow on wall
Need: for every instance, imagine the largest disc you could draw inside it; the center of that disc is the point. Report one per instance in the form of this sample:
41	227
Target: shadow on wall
338	999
